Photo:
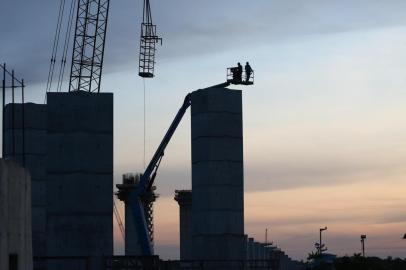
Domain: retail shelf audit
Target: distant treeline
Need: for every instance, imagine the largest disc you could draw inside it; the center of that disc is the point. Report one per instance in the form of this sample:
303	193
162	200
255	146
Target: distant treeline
357	262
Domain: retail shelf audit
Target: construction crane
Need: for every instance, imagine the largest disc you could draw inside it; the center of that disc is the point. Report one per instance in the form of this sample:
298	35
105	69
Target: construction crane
146	183
88	45
86	72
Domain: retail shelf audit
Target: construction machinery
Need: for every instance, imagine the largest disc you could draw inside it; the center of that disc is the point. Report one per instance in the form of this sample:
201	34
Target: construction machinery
148	41
86	72
88	45
139	196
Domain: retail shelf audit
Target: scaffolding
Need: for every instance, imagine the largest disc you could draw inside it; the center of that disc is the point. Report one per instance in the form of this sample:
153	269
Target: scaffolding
130	182
10	82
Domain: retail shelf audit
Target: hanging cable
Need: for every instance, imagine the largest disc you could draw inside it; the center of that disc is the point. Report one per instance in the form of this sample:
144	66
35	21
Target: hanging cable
143	79
118	219
55	45
66	46
148	13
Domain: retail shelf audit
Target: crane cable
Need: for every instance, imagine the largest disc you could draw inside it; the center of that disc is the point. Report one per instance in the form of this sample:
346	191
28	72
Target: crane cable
118	219
66	46
55	45
147	15
144	114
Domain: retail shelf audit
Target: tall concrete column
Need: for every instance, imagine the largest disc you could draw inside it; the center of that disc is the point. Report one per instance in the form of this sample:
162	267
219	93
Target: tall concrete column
35	131
245	247
15	216
132	244
251	248
257	251
184	199
217	175
79	176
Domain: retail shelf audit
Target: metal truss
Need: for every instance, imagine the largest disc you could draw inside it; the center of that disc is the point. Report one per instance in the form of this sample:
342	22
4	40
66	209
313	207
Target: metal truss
88	46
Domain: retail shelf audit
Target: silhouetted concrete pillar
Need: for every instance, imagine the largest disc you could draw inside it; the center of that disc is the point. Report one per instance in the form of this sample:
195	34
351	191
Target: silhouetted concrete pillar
250	248
217	174
245	247
257	251
184	199
15	216
35	158
79	176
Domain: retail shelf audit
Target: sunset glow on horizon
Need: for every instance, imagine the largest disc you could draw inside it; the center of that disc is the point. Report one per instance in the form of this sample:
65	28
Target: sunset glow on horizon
324	123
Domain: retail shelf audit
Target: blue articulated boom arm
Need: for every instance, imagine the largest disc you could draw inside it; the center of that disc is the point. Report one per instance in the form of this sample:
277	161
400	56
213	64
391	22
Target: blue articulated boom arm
147	180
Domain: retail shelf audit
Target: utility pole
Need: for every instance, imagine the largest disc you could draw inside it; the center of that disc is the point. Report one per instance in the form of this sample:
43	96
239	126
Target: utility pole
2	108
363	237
266	236
320	242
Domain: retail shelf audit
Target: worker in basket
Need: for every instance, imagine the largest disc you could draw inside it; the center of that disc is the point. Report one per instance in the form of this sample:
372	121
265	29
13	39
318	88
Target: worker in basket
237	73
248	72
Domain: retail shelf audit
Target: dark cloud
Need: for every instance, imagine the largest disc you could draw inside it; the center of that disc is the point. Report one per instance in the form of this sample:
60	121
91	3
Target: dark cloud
189	28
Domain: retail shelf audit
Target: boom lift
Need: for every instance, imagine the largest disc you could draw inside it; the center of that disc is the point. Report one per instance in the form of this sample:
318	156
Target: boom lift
146	182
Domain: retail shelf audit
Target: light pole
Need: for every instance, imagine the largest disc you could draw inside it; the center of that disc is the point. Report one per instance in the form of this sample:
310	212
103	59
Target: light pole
266	236
320	243
363	237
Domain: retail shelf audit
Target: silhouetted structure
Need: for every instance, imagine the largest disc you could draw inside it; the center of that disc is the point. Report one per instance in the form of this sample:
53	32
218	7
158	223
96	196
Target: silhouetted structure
79	175
25	142
132	242
15	216
88	45
184	199
236	75
363	237
69	144
148	41
357	262
217	175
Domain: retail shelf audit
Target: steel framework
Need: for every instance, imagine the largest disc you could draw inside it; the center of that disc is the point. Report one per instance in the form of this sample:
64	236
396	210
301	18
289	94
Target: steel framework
14	85
88	46
148	40
148	201
130	182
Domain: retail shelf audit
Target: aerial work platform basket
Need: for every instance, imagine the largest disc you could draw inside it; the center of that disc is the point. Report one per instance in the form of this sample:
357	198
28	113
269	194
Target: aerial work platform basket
236	76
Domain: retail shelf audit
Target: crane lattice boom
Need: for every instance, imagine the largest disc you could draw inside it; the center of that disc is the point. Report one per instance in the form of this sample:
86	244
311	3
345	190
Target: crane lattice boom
88	46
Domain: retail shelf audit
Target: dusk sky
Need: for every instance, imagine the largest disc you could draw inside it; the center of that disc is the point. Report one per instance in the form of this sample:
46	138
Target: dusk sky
324	124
